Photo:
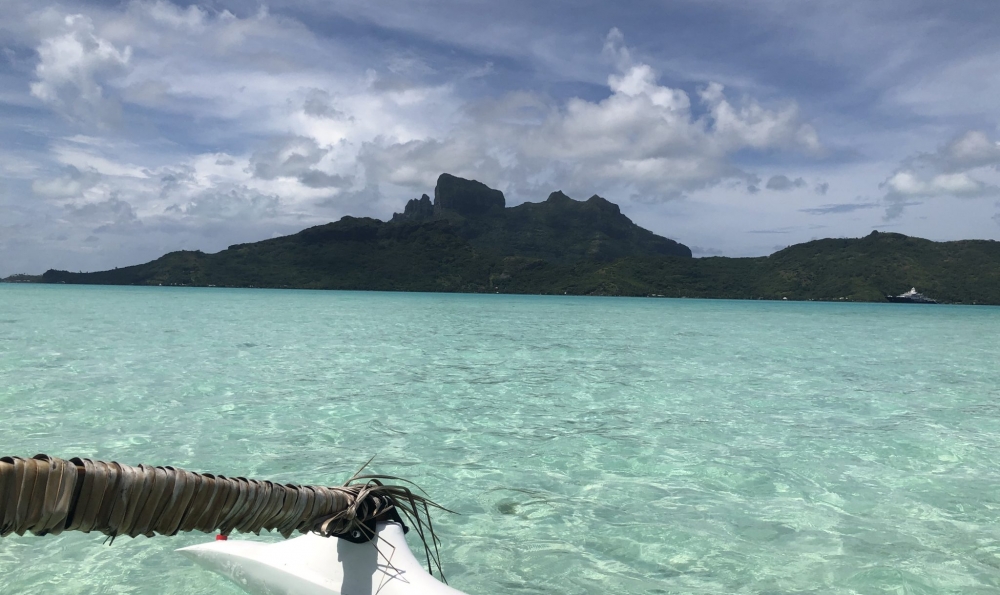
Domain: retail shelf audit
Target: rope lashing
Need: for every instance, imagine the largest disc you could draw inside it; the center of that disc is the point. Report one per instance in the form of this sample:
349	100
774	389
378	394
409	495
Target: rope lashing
46	495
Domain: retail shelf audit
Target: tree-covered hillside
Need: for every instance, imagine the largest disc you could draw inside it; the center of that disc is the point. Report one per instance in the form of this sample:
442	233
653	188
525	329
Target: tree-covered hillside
467	240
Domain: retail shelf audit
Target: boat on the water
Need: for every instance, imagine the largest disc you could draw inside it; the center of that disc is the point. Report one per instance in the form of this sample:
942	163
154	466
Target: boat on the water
316	565
910	297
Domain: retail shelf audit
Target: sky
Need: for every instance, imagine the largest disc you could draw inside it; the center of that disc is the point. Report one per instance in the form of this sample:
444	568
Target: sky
131	129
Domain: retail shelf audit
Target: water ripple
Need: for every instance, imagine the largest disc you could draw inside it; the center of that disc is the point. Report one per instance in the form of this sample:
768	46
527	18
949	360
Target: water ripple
590	445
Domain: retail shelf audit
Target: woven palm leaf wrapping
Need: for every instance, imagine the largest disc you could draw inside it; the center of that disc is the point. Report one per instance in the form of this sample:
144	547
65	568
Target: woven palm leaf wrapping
47	495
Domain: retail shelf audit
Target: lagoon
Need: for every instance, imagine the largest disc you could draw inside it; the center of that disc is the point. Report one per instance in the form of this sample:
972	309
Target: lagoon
590	445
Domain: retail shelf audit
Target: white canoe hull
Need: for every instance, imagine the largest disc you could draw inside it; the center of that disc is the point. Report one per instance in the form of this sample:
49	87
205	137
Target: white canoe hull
315	565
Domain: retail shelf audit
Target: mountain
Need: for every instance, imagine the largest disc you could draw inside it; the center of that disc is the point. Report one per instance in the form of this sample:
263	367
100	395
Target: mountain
463	241
467	240
559	230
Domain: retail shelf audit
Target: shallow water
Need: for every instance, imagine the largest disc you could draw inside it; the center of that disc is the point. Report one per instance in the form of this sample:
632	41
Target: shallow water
590	445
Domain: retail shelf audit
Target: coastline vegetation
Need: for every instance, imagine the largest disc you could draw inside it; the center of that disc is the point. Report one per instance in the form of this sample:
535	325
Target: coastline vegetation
467	241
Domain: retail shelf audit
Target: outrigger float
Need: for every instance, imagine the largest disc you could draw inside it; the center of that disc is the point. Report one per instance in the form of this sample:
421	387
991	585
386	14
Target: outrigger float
354	534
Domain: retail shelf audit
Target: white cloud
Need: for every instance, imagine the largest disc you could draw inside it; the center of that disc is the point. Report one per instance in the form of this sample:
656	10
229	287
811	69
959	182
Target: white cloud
296	157
644	139
74	64
89	159
907	183
70	184
970	150
290	129
966	167
752	126
237	203
332	122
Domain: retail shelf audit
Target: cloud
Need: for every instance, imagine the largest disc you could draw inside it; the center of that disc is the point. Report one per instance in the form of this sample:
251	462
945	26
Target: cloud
778	230
751	125
615	49
74	65
910	183
109	216
781	183
72	183
295	157
895	207
970	150
954	170
645	138
288	157
703	251
319	103
236	203
317	179
175	179
105	160
822	187
416	164
251	122
836	209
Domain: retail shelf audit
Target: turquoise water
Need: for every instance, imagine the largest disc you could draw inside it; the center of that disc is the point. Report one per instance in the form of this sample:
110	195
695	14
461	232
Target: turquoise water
590	445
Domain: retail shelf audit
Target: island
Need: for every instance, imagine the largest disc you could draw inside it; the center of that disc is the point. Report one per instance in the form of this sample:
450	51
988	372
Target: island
467	240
